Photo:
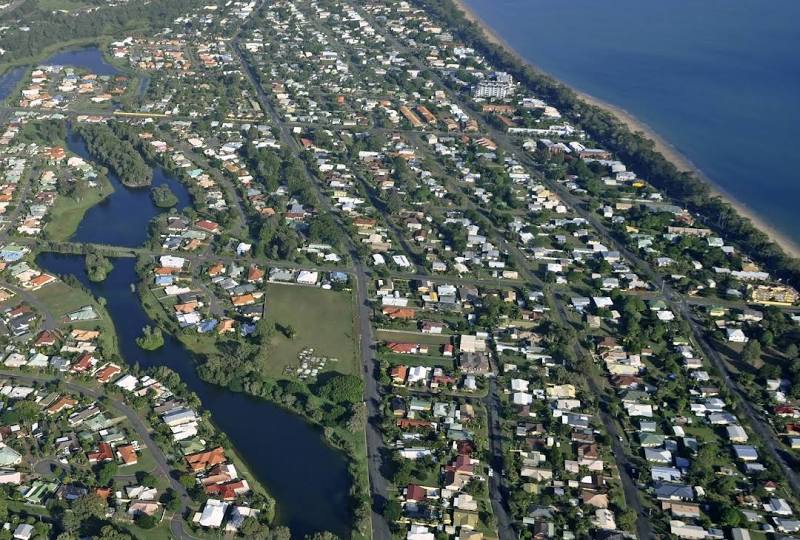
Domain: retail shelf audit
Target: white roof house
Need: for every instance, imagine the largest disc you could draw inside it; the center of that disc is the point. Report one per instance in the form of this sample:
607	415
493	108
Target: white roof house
735	335
522	398
736	434
24	531
213	513
170	261
778	506
519	385
127	382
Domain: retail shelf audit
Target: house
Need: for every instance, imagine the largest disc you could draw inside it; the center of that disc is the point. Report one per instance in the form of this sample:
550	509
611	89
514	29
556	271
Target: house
475	363
127	454
24	531
201	461
671	491
62	403
472	344
9	456
407	348
103	453
682	530
736	335
399	374
778	506
212	515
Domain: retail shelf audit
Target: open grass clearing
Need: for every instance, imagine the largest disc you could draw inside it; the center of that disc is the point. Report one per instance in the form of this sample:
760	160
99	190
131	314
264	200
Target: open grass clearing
323	320
67	212
61	299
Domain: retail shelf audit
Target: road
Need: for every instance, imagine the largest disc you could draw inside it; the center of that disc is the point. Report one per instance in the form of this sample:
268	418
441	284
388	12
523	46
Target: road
378	484
138	425
633	497
505	529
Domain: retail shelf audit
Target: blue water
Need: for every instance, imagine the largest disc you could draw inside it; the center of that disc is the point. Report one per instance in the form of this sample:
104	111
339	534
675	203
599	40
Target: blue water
90	58
122	218
9	81
718	79
308	478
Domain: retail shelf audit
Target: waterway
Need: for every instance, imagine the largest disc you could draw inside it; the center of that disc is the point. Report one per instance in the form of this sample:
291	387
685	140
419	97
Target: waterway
9	81
122	219
307	477
89	58
718	79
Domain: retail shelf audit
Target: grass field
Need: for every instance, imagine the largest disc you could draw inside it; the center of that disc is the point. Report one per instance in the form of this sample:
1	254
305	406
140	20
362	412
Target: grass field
61	299
67	213
65	5
413	337
323	320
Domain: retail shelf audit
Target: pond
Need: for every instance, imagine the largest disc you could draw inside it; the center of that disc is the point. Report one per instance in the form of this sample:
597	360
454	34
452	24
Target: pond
89	58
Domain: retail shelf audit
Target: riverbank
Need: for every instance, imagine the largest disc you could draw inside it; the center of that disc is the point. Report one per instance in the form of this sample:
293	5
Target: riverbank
666	149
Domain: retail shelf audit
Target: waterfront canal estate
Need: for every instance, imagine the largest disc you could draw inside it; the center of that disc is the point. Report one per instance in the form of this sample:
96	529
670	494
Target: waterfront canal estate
338	269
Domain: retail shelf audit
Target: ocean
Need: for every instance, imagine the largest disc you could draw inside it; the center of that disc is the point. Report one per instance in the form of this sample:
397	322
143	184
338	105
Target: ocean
717	79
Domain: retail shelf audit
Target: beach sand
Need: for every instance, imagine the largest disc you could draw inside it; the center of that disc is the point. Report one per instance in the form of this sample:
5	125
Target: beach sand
666	149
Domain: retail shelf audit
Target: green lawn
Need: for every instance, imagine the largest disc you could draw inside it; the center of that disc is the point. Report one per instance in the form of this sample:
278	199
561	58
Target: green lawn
323	320
61	299
413	337
65	5
67	213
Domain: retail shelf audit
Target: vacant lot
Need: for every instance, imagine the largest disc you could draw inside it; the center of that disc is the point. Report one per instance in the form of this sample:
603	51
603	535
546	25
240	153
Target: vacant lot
322	320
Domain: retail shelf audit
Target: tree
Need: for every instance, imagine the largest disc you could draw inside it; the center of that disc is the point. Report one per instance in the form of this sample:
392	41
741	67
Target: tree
188	481
163	197
98	267
340	388
145	521
151	338
106	472
170	500
253	528
89	506
751	352
324	535
109	532
627	520
392	511
280	533
730	516
146	479
70	521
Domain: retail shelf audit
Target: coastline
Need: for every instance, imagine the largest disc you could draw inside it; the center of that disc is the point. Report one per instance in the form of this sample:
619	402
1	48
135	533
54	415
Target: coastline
672	154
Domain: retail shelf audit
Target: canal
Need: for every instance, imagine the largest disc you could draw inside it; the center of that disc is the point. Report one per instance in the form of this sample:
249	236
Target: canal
307	477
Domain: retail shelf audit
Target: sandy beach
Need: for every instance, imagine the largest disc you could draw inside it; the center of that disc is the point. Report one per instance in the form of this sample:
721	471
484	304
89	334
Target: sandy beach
665	148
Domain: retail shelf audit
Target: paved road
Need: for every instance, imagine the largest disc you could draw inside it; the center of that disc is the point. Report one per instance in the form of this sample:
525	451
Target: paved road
375	446
505	529
138	425
633	497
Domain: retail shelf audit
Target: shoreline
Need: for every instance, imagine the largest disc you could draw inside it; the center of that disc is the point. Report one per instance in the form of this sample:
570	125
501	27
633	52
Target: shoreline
662	146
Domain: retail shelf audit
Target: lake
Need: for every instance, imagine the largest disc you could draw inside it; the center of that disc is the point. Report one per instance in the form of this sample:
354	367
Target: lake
102	223
718	79
307	477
